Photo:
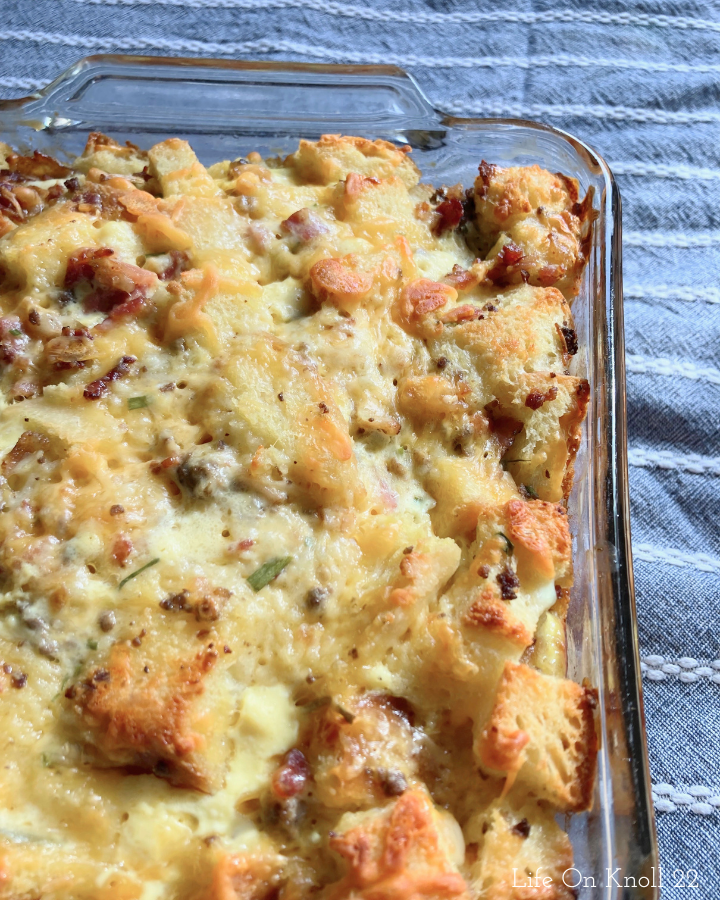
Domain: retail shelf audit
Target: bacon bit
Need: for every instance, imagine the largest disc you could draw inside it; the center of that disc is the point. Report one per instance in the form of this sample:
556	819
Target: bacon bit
570	337
505	428
119	288
549	275
465	313
122	548
245	544
486	171
509	583
535	399
179	262
508	257
461	279
290	778
451	213
304	225
355	184
116	509
483	571
97	389
18	679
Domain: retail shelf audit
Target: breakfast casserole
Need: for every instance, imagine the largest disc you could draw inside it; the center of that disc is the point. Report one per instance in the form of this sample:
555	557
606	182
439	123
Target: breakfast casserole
286	452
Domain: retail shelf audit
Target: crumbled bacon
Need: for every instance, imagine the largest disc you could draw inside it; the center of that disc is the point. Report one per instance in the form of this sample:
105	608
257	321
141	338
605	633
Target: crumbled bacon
548	275
461	279
503	427
97	389
486	171
570	338
304	225
119	288
535	399
290	778
179	262
450	212
505	264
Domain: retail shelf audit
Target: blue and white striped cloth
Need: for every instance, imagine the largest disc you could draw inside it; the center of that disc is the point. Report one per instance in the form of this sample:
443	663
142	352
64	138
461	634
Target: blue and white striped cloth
639	81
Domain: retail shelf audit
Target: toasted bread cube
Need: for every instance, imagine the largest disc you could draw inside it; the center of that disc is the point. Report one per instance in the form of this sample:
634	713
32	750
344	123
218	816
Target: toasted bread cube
541	736
407	849
538	217
334	156
178	170
522	854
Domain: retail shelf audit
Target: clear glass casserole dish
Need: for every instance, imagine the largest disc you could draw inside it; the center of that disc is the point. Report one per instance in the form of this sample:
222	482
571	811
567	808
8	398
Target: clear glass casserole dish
226	109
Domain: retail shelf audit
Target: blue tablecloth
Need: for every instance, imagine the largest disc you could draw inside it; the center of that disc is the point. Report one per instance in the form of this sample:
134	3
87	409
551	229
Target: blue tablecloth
637	80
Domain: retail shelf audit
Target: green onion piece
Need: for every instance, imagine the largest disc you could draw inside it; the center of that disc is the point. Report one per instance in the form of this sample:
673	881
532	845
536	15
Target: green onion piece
137	402
267	572
530	491
153	562
91	644
15	332
508	543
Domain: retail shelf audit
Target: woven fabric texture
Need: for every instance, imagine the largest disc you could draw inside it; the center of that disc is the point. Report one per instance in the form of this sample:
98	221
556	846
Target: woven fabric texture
638	80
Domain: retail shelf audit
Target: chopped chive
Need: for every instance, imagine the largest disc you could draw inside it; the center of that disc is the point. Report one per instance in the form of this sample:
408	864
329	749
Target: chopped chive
509	548
530	491
134	574
91	644
348	716
505	462
15	332
267	572
137	402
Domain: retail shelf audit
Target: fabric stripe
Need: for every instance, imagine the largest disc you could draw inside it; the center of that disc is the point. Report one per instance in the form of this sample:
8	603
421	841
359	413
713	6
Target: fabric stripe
703	562
430	18
669	459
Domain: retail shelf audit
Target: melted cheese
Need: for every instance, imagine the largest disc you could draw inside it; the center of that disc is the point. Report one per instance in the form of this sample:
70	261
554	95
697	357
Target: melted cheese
265	473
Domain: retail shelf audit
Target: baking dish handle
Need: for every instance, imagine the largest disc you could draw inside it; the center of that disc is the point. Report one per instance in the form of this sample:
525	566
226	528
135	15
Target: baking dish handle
109	92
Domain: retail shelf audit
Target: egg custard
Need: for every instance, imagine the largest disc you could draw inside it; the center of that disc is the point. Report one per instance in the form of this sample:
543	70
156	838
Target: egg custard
286	446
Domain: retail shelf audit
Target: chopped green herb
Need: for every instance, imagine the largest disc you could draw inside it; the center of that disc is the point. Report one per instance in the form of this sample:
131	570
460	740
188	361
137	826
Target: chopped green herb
91	644
348	716
505	462
530	491
508	543
46	761
15	332
137	402
267	572
153	562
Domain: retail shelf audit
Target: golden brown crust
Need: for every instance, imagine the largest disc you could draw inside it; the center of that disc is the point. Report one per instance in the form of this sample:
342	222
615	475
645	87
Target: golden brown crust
541	734
397	854
536	224
142	719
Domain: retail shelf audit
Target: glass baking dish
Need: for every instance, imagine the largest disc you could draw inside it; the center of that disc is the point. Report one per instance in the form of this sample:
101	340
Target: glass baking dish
225	109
